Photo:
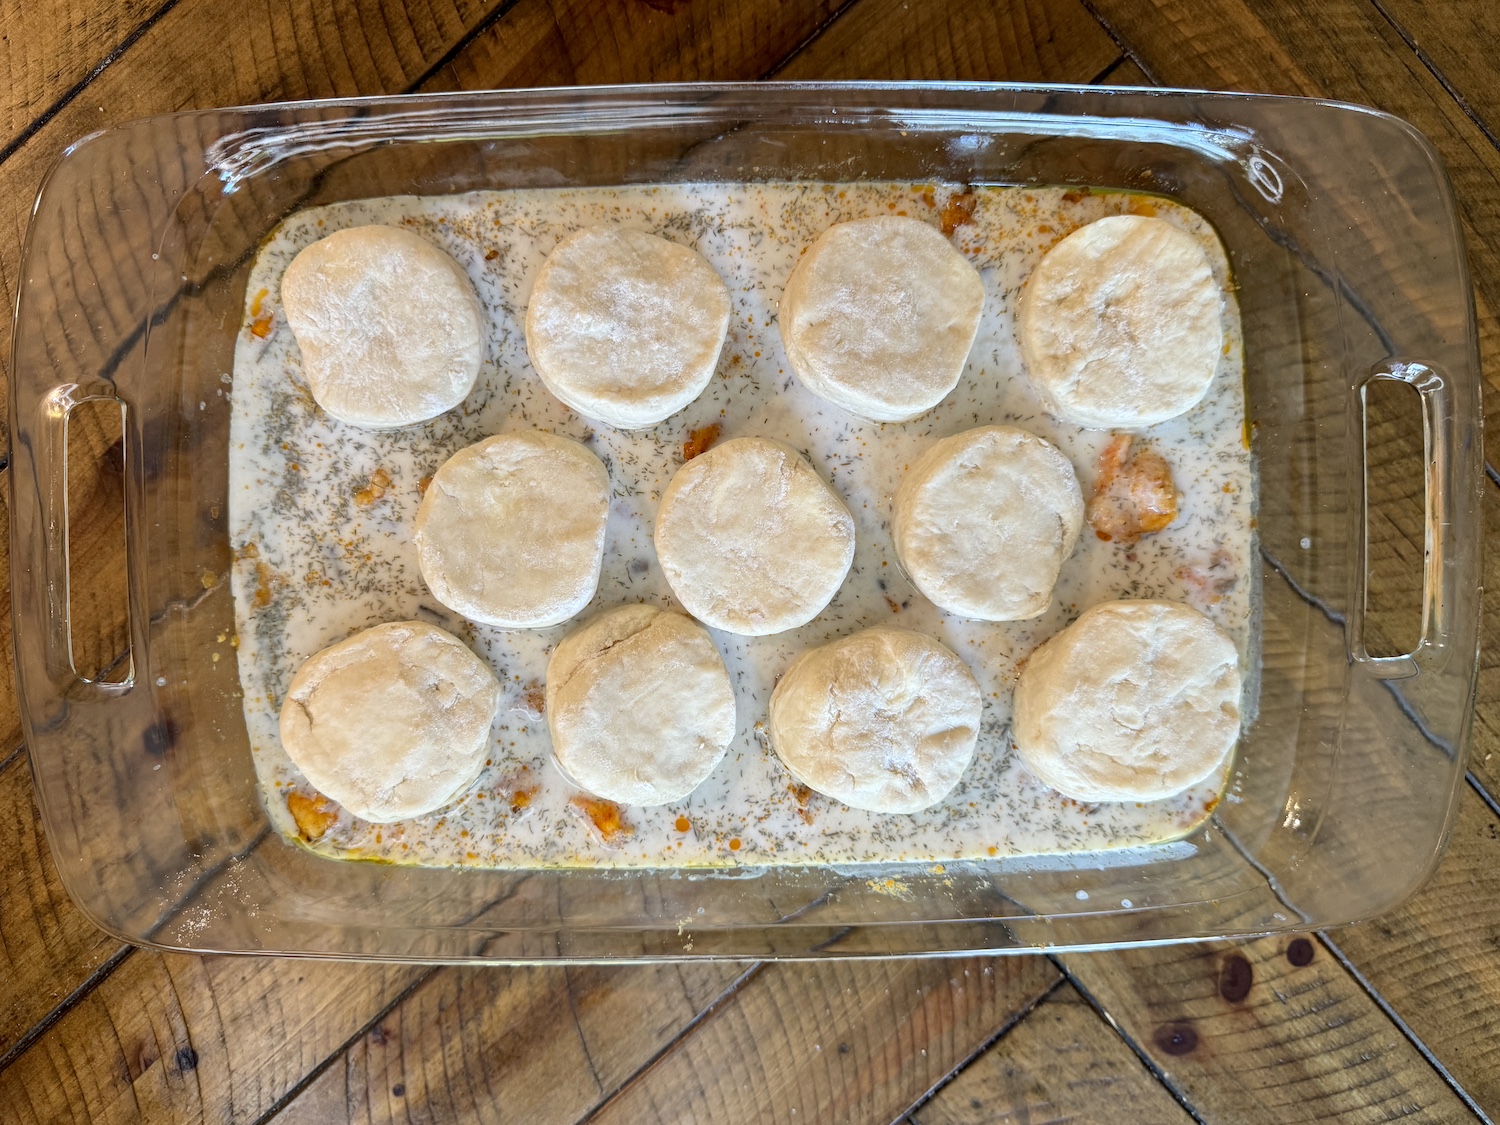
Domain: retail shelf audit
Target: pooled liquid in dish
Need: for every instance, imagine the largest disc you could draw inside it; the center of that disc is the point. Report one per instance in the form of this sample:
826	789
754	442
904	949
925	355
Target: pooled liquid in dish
321	517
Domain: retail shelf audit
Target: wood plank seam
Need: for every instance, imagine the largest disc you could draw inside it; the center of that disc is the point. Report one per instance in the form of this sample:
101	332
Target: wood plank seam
1129	1040
495	15
70	94
1437	73
1125	48
817	33
312	1075
1401	1024
1108	70
1004	1030
66	1005
708	1010
1484	794
1103	78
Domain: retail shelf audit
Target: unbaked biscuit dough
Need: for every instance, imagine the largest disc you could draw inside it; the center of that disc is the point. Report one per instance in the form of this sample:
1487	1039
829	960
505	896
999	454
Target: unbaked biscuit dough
639	705
393	722
626	327
751	539
884	720
390	328
879	315
511	530
984	520
1135	701
1120	324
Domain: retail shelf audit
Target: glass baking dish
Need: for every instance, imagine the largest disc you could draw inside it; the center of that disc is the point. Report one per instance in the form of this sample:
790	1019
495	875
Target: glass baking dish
1347	255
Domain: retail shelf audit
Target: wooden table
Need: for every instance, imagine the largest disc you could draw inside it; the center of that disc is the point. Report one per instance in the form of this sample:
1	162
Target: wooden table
1399	1017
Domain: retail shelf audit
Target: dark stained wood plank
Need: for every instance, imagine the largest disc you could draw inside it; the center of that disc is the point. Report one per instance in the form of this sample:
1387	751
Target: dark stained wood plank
1061	1063
1447	38
1268	1030
574	42
48	50
1020	41
179	1038
1435	959
833	1041
538	1044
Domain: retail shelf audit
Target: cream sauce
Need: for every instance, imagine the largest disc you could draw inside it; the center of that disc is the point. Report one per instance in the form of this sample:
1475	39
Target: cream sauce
321	516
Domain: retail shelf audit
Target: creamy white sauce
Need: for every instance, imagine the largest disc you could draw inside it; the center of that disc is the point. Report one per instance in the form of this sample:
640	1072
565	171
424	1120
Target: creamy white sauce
321	516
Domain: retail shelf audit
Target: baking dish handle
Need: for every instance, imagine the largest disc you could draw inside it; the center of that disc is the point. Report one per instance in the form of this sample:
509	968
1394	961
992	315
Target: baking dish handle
1440	571
55	409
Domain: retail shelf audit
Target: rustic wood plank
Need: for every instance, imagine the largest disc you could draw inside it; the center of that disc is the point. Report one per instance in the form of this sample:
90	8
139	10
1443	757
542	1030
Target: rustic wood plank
48	50
1020	41
743	27
1061	1063
1446	37
47	948
540	1044
1434	959
1321	48
220	52
573	42
199	53
1268	1030
179	1038
833	1041
1484	756
1126	72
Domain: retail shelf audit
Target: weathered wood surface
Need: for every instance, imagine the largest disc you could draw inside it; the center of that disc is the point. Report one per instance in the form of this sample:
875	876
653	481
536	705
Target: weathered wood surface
90	1030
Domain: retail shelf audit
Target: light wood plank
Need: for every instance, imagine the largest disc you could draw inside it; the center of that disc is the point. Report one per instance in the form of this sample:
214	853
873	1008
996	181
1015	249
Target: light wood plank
1020	41
1062	1063
542	1044
1340	49
1244	1033
181	61
225	52
1484	755
47	50
833	1041
1435	959
47	948
179	1038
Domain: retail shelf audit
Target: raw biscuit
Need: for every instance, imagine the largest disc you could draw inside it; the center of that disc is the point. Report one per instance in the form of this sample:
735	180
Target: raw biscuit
390	329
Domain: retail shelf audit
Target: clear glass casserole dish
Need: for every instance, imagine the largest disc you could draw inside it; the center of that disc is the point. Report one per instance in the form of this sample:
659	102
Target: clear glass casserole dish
1344	243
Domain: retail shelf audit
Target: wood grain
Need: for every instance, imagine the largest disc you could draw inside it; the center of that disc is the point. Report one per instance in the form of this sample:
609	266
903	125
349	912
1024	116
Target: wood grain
1243	1033
181	1038
225	52
573	42
1061	1063
48	50
1022	41
47	948
1436	960
1445	36
538	1044
1322	48
1484	755
833	1041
